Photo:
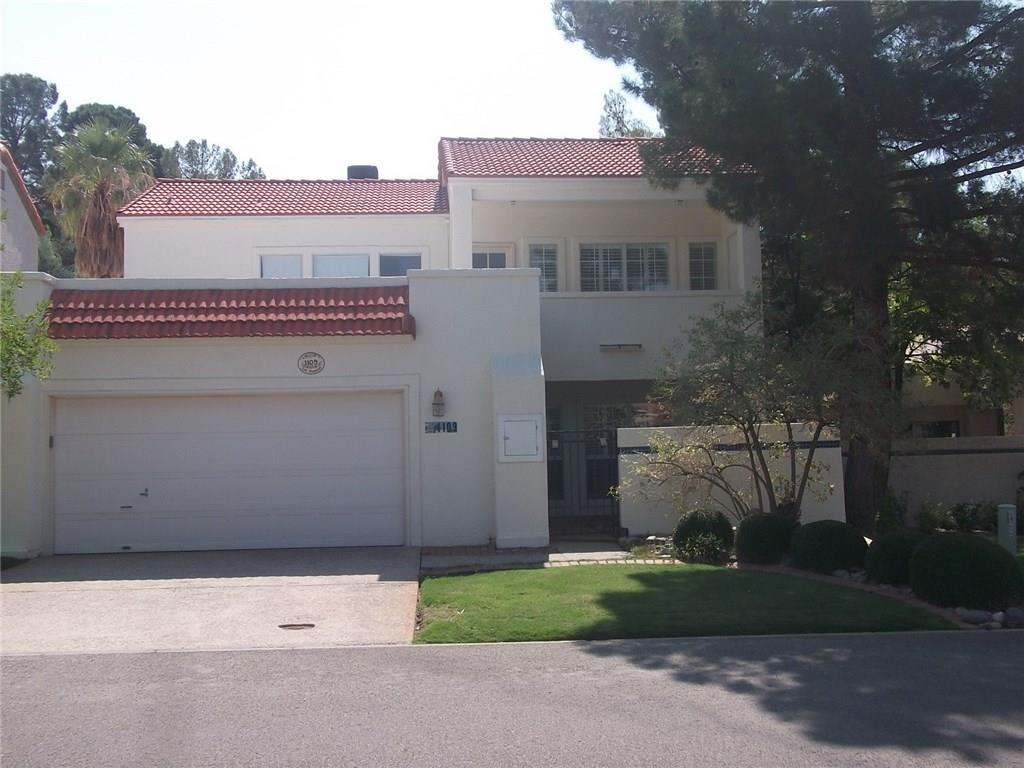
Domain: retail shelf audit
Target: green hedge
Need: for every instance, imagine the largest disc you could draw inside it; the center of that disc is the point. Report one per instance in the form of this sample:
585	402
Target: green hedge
962	569
888	557
763	539
827	546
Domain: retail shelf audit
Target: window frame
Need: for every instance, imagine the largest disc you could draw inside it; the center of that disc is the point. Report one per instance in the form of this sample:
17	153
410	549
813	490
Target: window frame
342	255
508	249
624	247
309	252
289	255
551	242
717	263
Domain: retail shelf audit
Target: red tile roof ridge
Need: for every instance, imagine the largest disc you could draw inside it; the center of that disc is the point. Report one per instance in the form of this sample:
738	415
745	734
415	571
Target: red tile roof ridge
171	180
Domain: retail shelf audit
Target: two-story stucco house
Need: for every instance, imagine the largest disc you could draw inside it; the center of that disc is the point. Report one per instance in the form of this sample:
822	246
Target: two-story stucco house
369	361
20	226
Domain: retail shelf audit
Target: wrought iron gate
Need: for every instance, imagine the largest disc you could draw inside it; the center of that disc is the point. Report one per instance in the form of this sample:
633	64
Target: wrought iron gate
583	467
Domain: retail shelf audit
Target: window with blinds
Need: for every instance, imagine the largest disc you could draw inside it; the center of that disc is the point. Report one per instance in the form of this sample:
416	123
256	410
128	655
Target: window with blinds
544	256
703	266
625	267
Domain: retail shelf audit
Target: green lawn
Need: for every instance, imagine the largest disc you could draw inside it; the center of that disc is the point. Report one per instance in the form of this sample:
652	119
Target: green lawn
617	601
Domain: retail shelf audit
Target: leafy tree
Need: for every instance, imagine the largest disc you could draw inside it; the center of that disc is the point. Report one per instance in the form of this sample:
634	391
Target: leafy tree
25	347
199	159
30	119
882	134
101	169
776	394
617	121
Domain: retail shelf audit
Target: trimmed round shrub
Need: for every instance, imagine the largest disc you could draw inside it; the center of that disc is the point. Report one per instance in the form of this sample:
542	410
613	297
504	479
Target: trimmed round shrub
763	539
700	521
888	557
827	546
955	569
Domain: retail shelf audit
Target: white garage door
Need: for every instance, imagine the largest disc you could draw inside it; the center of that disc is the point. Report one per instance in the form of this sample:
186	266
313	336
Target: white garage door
238	472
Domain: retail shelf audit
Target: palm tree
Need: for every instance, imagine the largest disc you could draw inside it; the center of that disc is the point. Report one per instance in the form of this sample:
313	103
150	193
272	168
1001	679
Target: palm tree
98	170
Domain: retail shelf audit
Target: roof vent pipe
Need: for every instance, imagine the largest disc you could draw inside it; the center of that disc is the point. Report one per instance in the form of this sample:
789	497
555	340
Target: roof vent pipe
362	172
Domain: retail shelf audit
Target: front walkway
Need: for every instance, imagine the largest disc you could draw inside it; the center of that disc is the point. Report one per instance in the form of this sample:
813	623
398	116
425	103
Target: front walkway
460	559
162	601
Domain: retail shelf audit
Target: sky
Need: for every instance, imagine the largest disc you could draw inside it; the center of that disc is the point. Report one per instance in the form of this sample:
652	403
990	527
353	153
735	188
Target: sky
307	88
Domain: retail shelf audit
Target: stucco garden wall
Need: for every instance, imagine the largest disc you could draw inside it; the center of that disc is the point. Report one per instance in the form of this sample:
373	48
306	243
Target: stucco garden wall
645	510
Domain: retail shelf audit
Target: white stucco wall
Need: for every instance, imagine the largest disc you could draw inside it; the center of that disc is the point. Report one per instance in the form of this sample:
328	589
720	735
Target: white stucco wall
230	247
18	233
655	512
950	470
464	320
575	324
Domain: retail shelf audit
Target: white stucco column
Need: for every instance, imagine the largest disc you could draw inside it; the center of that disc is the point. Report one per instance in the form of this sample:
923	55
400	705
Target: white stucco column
460	208
520	481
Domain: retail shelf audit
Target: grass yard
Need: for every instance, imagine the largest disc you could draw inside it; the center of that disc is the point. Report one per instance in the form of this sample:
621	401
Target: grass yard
598	602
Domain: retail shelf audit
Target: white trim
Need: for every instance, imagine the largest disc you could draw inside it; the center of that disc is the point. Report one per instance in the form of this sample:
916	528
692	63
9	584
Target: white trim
561	259
509	249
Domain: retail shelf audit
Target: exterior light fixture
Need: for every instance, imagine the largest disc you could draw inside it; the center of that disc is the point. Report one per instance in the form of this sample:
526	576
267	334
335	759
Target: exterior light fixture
621	347
437	405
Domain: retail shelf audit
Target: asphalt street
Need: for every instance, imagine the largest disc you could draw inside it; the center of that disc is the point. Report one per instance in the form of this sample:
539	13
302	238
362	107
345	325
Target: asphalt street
916	699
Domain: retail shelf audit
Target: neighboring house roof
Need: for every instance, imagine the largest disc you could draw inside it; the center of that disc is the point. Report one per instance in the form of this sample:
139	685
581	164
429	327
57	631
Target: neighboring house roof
236	312
566	158
26	199
201	197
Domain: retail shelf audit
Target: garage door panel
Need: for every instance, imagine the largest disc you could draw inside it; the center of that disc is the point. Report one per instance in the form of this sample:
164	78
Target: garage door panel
215	476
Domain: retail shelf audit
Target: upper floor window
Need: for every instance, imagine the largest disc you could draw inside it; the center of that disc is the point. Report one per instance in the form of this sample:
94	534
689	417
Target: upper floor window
703	266
341	265
544	256
489	259
624	267
397	264
281	265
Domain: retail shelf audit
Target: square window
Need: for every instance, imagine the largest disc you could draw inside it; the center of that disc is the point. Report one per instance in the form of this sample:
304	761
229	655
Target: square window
489	260
397	264
281	265
341	265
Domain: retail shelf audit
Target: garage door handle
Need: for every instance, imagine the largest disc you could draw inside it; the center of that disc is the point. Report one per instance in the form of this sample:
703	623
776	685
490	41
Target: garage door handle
145	492
127	506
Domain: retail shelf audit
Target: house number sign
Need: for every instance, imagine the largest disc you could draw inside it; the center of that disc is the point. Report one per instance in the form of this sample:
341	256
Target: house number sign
311	363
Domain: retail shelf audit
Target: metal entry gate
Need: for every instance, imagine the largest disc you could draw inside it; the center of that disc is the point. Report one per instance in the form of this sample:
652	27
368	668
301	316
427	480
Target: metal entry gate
583	467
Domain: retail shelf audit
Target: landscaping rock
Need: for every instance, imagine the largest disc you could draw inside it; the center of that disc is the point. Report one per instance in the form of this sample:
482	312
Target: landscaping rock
841	574
999	616
991	625
1014	618
974	617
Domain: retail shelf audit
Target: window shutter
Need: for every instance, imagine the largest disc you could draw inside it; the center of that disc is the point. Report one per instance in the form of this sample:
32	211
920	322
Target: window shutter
703	266
545	258
590	273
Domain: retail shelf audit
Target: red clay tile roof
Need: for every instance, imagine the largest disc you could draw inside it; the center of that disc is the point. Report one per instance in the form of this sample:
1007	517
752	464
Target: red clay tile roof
26	199
238	312
201	197
544	158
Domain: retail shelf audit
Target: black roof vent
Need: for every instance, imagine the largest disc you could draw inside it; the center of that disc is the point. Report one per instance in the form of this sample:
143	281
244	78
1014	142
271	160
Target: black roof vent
362	172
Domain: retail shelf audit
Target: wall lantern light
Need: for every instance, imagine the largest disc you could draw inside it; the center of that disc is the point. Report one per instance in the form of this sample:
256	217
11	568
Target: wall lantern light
438	403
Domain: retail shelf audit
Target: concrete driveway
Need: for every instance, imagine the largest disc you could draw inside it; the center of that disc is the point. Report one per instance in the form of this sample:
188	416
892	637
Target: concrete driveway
165	601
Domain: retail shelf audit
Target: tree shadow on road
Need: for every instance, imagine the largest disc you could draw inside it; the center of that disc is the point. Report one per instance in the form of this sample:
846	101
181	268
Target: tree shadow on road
954	692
